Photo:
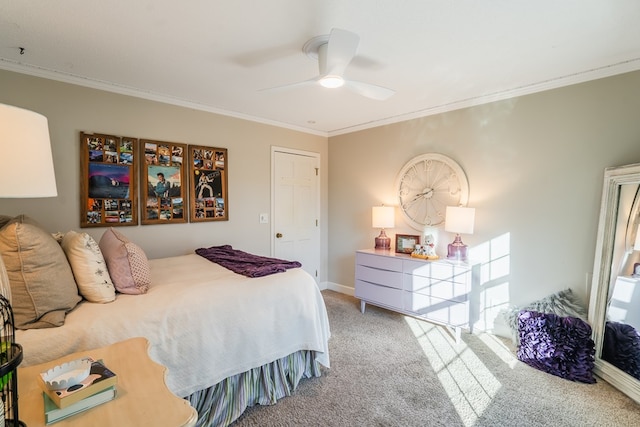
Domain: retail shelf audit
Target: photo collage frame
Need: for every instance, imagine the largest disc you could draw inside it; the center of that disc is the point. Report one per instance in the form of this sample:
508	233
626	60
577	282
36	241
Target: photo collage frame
108	187
163	182
208	187
112	166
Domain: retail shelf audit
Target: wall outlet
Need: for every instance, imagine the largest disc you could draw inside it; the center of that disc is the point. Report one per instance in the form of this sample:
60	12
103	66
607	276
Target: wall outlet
264	218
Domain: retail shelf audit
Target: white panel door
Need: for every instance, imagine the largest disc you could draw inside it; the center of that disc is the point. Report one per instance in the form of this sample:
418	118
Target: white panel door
296	231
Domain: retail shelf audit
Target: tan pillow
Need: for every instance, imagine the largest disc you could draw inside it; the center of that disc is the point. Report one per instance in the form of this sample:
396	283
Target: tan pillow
4	220
43	289
89	267
127	263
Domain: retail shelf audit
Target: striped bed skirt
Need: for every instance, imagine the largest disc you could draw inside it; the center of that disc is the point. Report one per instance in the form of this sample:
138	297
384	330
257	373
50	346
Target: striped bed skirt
223	403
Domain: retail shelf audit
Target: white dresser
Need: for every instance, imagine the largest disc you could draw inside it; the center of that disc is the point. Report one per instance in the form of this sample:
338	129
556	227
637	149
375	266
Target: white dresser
624	301
440	291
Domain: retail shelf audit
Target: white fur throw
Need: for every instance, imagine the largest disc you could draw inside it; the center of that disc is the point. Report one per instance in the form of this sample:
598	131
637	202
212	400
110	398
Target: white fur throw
563	303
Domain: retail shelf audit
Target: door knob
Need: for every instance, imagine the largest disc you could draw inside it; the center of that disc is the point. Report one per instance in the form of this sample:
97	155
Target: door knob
278	235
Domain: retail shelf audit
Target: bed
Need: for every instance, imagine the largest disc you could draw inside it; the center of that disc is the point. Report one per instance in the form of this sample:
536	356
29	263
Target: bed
228	341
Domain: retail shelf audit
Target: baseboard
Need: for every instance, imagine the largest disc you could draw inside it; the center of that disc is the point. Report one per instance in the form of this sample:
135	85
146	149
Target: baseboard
348	290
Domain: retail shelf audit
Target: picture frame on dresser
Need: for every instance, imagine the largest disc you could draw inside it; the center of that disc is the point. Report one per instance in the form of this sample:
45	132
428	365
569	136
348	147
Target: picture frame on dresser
108	184
163	185
406	243
208	171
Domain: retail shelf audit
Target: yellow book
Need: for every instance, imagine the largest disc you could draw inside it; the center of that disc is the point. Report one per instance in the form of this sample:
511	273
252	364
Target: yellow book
100	378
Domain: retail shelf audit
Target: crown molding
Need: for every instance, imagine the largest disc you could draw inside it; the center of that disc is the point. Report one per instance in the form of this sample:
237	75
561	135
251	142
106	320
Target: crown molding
555	83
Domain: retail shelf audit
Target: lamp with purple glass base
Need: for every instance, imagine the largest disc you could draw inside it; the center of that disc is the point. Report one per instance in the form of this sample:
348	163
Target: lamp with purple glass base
383	217
459	220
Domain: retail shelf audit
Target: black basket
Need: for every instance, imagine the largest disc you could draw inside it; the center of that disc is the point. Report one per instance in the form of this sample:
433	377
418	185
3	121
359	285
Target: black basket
10	358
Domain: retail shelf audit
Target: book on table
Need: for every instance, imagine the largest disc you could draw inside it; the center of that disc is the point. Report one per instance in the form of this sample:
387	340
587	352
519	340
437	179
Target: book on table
100	378
53	413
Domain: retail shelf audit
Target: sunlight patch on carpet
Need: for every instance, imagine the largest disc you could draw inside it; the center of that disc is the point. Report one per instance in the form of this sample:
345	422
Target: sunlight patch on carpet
500	349
469	384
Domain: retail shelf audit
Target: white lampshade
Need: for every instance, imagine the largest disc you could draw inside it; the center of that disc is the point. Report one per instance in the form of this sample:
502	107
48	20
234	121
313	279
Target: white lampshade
383	217
26	163
459	219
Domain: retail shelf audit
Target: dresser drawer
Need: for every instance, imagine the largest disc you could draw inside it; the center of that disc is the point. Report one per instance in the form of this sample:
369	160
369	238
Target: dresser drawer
383	295
439	310
387	278
437	270
380	262
439	288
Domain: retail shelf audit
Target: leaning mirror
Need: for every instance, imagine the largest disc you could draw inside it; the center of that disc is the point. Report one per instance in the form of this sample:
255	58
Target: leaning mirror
614	309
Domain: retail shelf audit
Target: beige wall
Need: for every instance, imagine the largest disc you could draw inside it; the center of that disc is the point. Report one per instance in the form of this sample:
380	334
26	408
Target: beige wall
535	168
71	109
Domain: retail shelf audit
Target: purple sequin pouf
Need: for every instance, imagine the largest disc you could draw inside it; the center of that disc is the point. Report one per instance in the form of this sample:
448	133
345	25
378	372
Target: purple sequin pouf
621	347
560	346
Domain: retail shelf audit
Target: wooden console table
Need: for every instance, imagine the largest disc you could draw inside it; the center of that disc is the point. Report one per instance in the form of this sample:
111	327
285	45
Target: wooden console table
142	398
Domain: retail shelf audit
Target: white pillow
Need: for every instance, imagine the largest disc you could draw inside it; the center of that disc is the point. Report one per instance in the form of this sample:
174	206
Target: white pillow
89	267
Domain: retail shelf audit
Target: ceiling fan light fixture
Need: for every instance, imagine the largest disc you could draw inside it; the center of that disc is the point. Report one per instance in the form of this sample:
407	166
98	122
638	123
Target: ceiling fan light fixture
334	53
331	81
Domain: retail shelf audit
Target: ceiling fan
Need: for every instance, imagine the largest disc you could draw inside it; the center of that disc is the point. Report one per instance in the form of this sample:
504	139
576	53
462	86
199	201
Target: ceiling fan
334	52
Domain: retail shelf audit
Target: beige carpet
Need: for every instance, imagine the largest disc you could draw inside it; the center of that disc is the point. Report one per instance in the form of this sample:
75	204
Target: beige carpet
390	370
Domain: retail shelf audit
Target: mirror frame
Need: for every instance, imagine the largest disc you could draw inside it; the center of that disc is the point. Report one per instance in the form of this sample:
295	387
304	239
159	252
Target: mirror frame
613	179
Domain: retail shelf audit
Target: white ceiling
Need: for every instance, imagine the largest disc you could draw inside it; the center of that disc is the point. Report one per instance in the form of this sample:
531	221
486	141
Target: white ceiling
216	55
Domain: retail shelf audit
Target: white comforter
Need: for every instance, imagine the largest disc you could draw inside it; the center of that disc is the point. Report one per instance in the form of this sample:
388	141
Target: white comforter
204	322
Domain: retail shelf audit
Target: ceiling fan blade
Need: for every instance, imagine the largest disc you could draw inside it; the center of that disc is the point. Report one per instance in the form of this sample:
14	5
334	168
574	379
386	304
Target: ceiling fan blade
368	90
303	83
341	48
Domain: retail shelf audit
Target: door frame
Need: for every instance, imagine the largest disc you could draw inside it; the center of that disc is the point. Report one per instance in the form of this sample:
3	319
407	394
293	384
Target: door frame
316	156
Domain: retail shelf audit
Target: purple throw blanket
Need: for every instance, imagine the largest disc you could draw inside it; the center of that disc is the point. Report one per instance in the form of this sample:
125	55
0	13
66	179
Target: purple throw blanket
245	263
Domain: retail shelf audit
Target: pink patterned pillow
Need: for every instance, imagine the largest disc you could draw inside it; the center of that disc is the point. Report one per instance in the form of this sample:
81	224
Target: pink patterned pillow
127	263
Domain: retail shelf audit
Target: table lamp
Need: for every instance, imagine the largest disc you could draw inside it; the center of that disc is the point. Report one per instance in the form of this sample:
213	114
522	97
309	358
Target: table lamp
383	217
26	170
458	220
